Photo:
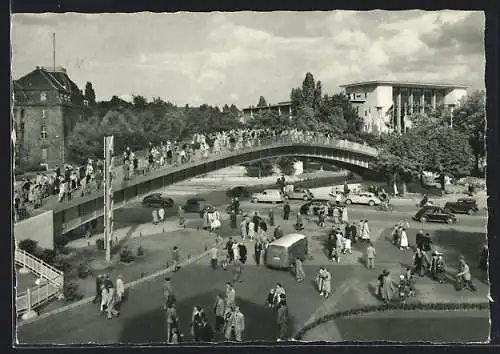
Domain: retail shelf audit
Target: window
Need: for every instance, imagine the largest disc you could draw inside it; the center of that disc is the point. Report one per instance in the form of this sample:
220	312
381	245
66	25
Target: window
44	154
43	132
44	113
43	97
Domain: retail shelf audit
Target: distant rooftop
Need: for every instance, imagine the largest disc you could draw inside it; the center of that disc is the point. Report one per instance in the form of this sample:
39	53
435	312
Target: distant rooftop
406	83
51	69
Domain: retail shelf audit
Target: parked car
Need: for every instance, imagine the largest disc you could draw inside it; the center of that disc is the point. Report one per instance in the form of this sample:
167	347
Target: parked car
434	213
315	205
353	188
366	198
298	193
157	200
197	205
462	205
268	195
238	192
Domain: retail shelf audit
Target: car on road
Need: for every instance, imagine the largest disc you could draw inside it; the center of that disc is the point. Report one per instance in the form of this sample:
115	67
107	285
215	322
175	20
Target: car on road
238	192
299	194
462	206
315	205
366	198
436	214
269	196
197	205
157	200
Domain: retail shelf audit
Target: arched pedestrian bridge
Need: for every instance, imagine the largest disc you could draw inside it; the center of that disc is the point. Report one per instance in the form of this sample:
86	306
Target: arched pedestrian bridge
349	155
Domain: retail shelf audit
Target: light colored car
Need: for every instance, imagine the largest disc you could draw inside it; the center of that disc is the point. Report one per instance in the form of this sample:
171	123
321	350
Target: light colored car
269	196
339	188
366	198
298	193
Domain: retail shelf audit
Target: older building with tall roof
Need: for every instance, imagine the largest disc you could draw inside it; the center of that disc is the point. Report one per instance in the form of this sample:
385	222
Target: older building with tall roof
387	105
46	107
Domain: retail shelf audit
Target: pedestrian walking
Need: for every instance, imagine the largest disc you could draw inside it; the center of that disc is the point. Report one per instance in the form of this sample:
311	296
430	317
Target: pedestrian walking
161	214
365	234
387	287
282	320
219	309
464	279
155	216
230	297
233	219
171	320
98	289
237	270
371	254
420	262
180	215
229	249
214	257
176	258
120	289
104	298
110	305
258	251
300	275
278	233
168	292
235	325
300	224
324	280
243	228
286	211
339	246
206	331
196	323
251	230
271	217
438	267
403	240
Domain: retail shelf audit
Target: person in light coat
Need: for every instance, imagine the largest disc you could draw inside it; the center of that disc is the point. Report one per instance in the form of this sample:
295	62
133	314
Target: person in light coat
120	289
219	309
111	304
243	228
365	232
230	298
104	298
235	324
324	282
251	230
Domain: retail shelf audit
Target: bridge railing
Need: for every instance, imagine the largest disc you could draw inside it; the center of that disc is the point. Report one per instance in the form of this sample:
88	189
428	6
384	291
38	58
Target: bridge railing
34	297
232	148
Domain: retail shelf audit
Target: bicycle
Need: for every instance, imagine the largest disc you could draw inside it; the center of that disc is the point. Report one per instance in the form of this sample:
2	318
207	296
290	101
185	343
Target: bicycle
386	207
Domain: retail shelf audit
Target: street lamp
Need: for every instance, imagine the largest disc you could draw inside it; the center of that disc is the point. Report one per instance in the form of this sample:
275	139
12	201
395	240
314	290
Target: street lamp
63	148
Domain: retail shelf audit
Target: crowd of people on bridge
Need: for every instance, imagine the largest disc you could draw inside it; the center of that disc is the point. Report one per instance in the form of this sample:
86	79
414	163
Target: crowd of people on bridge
66	182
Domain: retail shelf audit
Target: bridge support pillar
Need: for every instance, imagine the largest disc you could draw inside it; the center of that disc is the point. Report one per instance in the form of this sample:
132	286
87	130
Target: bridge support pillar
29	315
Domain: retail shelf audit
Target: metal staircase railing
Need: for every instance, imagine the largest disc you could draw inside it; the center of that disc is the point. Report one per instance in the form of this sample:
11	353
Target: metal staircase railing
50	287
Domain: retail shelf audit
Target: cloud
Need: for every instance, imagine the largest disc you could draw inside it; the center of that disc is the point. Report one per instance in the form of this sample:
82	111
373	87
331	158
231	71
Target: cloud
212	58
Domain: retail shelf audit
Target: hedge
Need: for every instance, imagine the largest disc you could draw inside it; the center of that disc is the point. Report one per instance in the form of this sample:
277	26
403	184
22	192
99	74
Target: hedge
439	306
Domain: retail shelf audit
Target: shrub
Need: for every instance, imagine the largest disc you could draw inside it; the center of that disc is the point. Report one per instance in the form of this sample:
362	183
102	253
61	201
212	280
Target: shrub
28	245
126	255
83	271
61	264
140	251
70	292
100	244
61	241
47	255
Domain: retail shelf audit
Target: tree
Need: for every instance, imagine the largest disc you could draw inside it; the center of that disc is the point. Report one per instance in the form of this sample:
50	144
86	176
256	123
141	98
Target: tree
317	95
286	165
89	94
139	101
296	99
308	90
354	122
469	118
262	102
261	168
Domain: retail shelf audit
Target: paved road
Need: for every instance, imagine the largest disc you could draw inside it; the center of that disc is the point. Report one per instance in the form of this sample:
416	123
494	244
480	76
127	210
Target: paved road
142	321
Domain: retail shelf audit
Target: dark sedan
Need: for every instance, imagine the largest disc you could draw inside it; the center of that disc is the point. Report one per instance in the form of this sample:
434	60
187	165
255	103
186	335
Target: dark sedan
436	214
238	192
157	200
197	205
316	205
462	206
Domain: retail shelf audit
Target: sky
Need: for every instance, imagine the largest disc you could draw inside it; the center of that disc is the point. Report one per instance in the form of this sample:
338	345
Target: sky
233	58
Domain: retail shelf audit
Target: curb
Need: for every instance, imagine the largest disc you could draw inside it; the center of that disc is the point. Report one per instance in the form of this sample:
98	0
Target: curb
130	285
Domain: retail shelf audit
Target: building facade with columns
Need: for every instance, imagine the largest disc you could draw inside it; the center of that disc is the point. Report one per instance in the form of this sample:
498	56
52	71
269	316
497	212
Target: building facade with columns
281	109
46	107
386	106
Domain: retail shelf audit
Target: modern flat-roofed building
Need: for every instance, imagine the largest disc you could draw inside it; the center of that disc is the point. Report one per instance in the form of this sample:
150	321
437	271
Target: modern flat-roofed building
385	106
47	105
281	108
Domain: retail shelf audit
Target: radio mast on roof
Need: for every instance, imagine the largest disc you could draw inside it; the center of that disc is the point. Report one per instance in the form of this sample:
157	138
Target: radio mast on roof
54	51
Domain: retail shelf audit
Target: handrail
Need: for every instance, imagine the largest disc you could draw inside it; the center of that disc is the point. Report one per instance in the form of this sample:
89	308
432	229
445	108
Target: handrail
35	296
40	267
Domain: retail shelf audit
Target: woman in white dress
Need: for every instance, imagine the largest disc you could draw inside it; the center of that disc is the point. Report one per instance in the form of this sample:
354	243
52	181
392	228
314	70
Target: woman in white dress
403	241
365	231
251	230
